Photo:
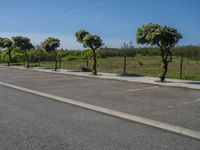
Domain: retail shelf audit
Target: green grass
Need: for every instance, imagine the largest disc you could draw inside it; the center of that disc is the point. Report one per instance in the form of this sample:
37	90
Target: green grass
139	65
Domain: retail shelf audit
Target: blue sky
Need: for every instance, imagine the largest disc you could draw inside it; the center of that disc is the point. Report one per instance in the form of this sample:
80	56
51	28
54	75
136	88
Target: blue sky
116	21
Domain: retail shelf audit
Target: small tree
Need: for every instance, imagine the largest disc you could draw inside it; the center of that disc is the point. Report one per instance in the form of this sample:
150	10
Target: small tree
24	44
90	41
7	43
162	36
50	45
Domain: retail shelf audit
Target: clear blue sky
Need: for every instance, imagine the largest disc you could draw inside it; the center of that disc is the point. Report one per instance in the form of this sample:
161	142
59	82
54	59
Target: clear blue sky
116	21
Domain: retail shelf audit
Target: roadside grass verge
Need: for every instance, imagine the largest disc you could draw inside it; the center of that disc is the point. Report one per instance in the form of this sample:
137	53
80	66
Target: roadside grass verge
138	66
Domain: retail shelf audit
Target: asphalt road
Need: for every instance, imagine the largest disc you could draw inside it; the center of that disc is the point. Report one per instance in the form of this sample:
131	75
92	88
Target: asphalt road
176	106
30	122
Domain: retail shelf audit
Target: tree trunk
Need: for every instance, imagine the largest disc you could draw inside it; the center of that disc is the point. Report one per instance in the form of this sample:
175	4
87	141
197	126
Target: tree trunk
56	61
56	64
39	62
94	63
27	58
166	58
10	58
165	69
181	68
87	63
60	63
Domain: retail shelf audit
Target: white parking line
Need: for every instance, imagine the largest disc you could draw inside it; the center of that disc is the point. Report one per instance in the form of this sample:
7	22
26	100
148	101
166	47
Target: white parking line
198	100
185	103
148	88
188	103
113	113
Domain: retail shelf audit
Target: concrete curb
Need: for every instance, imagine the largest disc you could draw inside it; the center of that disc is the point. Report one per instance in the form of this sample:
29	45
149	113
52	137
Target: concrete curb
113	113
145	80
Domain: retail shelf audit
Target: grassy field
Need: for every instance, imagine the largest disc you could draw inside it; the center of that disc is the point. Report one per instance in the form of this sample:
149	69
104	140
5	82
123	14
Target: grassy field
139	65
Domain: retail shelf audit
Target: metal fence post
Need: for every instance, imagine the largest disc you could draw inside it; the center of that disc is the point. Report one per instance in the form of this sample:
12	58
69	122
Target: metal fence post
60	63
87	62
124	65
181	68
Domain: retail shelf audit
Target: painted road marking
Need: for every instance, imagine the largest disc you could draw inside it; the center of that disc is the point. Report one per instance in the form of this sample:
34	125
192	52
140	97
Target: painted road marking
198	100
185	103
148	88
113	113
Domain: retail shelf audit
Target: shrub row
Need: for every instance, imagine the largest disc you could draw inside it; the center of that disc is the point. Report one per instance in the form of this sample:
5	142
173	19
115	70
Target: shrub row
38	54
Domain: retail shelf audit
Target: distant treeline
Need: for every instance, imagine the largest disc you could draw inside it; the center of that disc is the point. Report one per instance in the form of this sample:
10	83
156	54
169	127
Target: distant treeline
38	54
189	51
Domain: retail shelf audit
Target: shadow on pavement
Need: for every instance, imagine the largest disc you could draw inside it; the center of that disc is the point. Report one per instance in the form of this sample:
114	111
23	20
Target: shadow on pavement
131	75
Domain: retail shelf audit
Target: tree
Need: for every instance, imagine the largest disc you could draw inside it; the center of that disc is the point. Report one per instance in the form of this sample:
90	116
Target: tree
1	42
1	45
90	41
162	36
24	44
50	45
7	43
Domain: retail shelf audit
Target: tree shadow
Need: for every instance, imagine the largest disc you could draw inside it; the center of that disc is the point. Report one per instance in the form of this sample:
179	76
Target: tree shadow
159	81
197	83
16	64
130	75
192	82
74	71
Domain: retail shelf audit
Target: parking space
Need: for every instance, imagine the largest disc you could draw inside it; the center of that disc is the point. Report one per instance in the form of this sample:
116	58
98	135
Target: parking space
29	121
177	106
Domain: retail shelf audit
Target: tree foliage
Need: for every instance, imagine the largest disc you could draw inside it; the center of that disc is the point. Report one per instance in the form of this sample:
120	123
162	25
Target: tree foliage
80	35
50	45
1	42
162	36
93	42
6	43
24	44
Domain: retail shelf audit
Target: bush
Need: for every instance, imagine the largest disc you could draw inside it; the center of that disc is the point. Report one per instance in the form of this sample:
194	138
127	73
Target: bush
107	52
85	69
70	58
4	56
71	52
18	57
37	55
187	51
148	51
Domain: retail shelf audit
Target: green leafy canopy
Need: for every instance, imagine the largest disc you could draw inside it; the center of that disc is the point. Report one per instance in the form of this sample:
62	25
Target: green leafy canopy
5	43
157	35
50	44
1	42
92	41
80	35
22	42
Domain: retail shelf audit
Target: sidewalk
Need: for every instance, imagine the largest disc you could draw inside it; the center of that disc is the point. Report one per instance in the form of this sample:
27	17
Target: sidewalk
111	76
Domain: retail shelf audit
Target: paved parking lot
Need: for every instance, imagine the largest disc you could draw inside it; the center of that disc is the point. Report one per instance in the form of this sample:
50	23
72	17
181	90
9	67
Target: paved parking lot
176	106
31	122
